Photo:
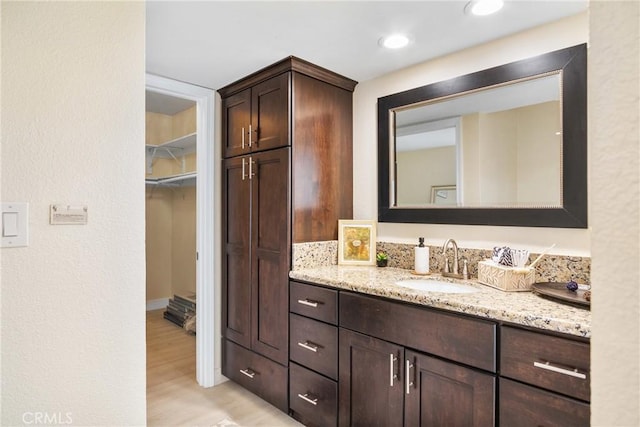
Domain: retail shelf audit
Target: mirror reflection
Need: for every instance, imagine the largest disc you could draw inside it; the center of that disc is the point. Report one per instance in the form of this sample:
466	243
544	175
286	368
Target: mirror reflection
500	146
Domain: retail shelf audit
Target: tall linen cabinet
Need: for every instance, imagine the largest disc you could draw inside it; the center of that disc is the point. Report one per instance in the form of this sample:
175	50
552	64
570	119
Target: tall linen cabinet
287	178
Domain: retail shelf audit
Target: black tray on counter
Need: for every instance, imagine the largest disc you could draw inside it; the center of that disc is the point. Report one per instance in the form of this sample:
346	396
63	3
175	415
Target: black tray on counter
559	291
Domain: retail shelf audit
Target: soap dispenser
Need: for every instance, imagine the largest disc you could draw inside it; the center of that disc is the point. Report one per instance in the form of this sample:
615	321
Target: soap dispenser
421	257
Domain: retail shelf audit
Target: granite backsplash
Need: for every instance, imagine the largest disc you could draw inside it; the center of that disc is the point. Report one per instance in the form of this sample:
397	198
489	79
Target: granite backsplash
552	268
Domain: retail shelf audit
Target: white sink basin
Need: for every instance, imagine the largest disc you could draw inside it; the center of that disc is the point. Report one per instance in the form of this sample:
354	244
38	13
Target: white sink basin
431	285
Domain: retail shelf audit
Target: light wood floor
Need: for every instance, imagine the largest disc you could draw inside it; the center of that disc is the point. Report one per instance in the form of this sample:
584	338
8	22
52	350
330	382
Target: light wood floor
174	398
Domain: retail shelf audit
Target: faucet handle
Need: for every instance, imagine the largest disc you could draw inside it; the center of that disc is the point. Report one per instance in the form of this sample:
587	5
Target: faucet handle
446	266
465	270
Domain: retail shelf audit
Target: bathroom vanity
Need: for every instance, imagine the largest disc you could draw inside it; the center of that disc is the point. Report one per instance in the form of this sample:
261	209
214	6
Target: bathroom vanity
365	351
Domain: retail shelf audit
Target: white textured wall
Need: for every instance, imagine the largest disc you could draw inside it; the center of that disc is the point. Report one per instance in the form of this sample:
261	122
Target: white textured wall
564	33
73	301
614	135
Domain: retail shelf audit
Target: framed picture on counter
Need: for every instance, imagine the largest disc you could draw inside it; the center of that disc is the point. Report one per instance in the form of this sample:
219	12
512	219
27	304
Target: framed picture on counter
356	242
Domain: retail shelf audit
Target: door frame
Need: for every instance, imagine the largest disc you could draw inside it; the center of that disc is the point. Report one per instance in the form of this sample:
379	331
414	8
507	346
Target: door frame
208	371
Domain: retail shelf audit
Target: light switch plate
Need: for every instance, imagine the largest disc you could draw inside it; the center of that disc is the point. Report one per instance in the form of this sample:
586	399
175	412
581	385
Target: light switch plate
15	224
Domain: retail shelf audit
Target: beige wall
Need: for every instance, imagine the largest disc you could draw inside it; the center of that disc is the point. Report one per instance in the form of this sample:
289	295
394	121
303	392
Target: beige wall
564	33
497	161
161	128
614	139
159	239
158	128
170	213
165	167
421	169
184	122
539	152
183	245
501	148
73	301
170	241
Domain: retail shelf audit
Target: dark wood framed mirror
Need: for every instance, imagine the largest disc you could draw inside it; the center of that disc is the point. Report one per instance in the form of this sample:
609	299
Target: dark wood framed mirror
440	160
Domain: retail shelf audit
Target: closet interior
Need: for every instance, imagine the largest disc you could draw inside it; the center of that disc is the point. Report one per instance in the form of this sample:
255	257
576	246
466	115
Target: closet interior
170	177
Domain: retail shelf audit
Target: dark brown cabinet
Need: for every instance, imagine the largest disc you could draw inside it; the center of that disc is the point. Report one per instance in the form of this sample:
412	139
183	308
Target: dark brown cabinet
287	147
385	383
257	252
526	406
440	393
315	345
313	390
313	398
545	379
402	364
253	118
371	381
256	373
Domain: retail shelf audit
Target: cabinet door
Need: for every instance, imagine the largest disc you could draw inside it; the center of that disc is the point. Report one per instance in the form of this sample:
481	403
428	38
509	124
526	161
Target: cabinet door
442	393
270	259
270	114
236	271
236	118
370	381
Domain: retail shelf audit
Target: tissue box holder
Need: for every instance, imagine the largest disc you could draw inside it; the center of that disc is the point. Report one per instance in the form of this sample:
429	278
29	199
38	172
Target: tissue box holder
505	278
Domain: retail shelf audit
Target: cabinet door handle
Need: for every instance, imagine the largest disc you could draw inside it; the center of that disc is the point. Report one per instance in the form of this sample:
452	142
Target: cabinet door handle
407	375
309	346
248	372
251	173
307	398
309	303
243	137
249	136
244	176
392	369
550	367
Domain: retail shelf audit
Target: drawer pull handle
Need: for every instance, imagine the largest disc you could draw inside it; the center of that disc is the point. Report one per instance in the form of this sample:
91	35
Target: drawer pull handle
308	346
571	373
307	302
306	398
248	372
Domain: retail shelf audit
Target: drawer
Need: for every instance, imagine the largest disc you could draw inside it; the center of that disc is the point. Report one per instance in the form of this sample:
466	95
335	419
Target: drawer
314	301
455	337
256	373
522	405
314	344
313	398
550	362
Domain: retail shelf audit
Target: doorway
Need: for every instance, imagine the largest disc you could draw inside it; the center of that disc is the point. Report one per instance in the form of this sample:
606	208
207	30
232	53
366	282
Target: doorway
208	371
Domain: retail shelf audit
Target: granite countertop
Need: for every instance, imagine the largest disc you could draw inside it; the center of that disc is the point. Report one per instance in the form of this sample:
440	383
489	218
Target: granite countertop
524	308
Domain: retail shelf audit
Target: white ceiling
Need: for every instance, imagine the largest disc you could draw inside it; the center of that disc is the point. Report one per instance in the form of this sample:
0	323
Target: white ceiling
214	43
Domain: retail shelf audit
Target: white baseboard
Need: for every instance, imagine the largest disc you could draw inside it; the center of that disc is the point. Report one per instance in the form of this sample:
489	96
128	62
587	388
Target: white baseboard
219	378
157	304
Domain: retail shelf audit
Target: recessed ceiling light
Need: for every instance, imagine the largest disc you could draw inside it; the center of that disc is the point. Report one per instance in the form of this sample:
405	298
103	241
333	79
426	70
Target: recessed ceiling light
394	41
483	7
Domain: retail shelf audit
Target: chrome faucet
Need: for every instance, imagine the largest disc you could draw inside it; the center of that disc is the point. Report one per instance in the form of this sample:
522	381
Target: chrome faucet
445	270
